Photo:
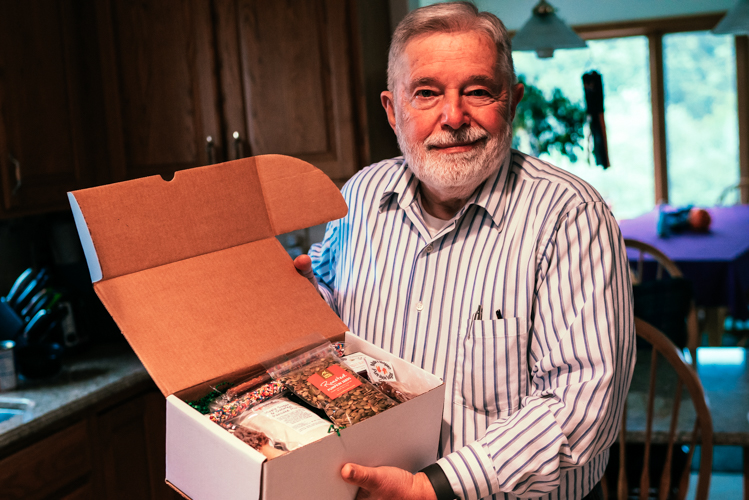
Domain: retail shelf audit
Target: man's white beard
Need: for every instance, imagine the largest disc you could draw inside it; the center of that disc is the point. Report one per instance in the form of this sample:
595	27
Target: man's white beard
456	175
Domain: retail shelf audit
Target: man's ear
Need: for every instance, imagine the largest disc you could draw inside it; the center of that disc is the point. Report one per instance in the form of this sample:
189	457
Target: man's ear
518	90
388	102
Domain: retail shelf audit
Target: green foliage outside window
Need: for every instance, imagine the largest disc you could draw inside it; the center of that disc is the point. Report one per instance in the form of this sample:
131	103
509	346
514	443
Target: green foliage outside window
553	124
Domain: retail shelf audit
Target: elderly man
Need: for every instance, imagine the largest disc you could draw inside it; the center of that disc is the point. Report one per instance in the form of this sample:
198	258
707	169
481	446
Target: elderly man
498	272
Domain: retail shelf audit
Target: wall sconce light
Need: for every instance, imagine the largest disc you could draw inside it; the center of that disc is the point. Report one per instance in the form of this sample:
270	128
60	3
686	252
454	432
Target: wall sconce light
545	32
736	20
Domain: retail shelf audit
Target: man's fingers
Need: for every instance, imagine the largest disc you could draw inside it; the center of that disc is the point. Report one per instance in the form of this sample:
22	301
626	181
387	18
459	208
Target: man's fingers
303	266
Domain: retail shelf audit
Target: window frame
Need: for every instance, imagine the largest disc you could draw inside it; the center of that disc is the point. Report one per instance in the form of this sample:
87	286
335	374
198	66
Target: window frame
654	30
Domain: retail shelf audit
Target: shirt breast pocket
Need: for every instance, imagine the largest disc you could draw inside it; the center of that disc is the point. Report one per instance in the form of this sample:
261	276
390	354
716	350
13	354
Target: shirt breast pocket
491	375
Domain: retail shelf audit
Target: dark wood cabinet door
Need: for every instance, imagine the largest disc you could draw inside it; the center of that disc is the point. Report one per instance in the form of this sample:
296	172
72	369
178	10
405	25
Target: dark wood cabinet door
130	443
288	80
159	84
50	468
42	153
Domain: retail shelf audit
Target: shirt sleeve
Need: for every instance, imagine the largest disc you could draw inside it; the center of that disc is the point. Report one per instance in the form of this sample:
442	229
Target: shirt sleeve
323	256
580	360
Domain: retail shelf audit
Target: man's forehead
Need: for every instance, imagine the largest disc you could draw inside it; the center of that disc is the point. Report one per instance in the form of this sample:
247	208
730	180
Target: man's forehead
469	50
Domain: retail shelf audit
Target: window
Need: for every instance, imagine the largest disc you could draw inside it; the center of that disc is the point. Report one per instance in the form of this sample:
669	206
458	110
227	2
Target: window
700	99
671	109
627	185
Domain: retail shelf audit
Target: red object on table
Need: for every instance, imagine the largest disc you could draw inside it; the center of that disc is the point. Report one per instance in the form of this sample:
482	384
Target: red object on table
699	219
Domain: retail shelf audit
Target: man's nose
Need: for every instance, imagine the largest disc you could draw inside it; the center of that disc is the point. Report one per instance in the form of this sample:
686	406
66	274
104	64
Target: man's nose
454	115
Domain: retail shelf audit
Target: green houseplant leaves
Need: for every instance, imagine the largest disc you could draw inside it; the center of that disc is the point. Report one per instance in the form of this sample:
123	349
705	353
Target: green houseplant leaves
549	124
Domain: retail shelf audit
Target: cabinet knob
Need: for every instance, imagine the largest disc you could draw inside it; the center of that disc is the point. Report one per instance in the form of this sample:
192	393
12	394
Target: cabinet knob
17	168
210	150
238	146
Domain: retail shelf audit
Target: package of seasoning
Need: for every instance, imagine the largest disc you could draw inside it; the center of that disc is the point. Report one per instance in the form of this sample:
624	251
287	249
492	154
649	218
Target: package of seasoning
237	406
287	425
257	440
394	390
320	378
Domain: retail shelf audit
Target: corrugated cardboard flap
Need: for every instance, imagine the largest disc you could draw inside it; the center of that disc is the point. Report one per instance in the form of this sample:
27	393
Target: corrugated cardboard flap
191	271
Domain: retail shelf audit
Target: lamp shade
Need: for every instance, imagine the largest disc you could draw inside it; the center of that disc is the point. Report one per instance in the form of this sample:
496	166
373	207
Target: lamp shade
545	32
736	20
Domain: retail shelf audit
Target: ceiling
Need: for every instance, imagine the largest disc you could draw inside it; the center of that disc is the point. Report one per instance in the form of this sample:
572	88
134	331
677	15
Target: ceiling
514	13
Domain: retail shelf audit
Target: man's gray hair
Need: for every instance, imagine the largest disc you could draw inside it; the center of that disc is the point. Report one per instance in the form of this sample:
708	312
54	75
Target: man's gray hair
452	17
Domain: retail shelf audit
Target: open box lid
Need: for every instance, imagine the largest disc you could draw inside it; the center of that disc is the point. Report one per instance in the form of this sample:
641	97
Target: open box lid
191	271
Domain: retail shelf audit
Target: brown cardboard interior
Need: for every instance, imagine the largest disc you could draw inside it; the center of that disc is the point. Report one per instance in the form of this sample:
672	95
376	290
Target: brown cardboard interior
192	272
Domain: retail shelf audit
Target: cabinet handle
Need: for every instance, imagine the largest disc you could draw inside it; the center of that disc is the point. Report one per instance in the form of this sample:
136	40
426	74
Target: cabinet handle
238	146
17	167
210	150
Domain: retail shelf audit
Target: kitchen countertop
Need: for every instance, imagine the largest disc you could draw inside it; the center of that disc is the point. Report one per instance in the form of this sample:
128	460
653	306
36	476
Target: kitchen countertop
86	379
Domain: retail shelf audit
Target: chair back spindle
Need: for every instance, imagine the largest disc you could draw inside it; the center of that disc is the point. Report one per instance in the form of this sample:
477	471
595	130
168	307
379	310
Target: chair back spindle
664	487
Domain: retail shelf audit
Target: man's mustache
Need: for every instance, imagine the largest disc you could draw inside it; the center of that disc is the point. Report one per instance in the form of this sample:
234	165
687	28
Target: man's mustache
452	137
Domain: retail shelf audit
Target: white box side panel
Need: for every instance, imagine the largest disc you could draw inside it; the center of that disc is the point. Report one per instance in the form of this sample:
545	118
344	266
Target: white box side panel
206	462
406	436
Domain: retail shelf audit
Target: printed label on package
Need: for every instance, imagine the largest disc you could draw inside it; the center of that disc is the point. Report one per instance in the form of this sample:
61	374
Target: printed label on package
334	381
380	371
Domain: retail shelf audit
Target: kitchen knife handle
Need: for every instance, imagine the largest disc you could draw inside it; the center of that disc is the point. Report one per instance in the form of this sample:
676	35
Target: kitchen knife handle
238	146
17	168
210	150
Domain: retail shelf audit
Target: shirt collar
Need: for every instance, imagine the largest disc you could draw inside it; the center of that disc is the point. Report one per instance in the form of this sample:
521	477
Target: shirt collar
489	195
403	184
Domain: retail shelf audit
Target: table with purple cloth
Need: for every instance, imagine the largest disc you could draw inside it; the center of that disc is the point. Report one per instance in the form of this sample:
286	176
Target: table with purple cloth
716	262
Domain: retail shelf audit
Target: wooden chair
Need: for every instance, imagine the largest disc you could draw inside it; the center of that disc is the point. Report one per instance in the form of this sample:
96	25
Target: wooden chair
740	187
702	433
664	263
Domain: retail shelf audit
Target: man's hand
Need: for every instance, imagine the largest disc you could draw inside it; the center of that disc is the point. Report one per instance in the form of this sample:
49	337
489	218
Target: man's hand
388	483
303	265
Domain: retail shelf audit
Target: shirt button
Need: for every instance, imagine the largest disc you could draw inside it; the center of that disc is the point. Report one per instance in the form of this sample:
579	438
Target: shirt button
419	306
430	248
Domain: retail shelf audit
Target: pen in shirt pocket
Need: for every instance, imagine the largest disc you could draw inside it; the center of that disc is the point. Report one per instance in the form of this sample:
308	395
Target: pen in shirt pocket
499	314
477	316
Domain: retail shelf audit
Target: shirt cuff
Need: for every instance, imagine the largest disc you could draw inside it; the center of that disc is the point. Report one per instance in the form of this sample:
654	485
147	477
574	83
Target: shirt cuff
470	472
439	481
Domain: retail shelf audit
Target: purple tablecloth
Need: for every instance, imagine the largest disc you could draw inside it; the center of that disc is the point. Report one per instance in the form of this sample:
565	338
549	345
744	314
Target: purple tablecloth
717	262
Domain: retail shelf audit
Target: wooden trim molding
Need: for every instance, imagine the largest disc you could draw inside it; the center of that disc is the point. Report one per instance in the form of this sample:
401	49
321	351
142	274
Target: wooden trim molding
657	102
646	27
742	94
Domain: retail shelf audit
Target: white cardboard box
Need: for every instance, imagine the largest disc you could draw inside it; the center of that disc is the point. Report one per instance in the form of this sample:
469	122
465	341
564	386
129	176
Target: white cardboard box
192	273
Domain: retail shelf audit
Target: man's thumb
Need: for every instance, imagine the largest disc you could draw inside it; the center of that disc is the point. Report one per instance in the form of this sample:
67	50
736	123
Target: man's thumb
303	265
356	475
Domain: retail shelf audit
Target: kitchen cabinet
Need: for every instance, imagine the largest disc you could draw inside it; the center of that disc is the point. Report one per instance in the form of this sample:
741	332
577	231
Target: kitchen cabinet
55	466
116	451
290	80
189	83
158	77
97	91
47	112
130	450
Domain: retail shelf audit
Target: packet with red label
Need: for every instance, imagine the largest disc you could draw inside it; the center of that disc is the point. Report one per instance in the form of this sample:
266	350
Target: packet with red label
320	379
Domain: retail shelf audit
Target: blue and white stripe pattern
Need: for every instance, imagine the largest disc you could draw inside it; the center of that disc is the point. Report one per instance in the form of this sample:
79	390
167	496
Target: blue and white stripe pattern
534	399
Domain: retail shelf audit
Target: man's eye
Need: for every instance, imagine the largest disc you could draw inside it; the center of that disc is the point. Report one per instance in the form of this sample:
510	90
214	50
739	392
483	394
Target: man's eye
479	93
425	93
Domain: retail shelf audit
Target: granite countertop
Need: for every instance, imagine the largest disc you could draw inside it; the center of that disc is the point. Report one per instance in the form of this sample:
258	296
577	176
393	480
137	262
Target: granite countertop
86	379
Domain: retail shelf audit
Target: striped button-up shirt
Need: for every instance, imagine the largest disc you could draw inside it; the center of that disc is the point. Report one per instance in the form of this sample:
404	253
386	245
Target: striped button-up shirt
536	376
